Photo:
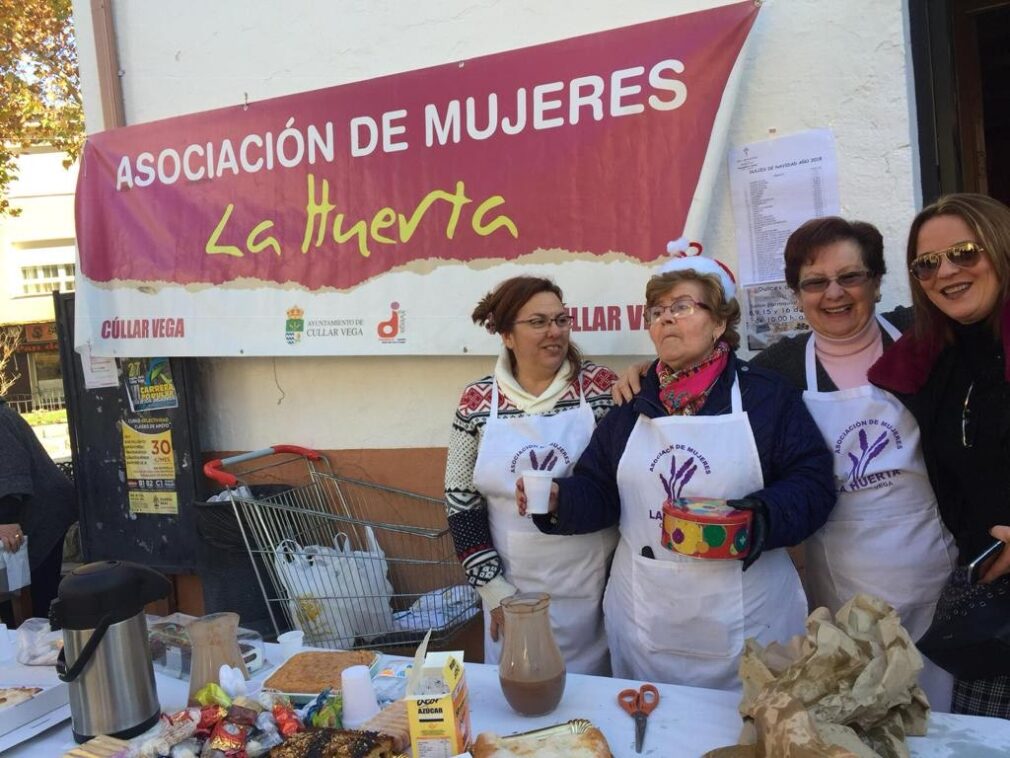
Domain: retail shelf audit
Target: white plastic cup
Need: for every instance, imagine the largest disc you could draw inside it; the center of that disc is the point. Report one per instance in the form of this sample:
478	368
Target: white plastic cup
538	490
360	703
291	643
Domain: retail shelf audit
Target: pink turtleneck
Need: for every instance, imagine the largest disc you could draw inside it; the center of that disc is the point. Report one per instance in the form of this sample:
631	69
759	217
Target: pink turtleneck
848	359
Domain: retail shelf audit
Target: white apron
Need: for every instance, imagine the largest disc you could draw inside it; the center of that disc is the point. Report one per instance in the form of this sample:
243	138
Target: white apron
884	535
571	569
684	620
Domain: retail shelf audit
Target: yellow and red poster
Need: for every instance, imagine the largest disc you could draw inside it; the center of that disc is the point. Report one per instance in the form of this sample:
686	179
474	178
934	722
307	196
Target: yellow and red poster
369	217
150	464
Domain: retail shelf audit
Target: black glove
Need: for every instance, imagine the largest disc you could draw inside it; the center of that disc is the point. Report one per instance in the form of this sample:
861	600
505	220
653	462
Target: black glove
758	527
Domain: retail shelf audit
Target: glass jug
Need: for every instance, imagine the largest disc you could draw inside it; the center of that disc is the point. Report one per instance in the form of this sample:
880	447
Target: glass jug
531	670
214	641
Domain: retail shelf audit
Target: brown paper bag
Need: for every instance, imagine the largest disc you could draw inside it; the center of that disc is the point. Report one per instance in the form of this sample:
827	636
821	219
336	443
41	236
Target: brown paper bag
846	689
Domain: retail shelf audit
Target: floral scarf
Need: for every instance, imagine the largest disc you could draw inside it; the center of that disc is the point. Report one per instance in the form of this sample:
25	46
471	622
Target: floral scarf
684	392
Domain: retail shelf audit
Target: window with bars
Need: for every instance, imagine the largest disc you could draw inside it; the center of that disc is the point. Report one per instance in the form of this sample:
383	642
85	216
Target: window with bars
42	279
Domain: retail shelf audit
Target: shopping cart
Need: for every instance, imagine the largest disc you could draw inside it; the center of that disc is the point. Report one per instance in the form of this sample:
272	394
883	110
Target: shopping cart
351	563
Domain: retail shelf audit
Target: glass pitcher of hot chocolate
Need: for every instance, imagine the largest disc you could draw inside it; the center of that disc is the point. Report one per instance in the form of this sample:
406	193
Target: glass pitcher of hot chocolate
531	670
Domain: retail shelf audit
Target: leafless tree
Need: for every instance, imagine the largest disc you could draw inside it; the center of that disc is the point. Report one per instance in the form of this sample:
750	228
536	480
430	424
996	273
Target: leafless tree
10	338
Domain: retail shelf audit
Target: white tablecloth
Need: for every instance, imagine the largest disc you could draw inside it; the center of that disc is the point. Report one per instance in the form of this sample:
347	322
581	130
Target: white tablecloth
688	722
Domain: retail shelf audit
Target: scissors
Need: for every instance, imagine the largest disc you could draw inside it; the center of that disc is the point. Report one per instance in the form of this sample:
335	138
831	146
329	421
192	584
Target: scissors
639	704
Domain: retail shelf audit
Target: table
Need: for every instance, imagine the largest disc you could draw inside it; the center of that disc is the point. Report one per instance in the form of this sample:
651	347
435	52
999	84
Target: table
688	722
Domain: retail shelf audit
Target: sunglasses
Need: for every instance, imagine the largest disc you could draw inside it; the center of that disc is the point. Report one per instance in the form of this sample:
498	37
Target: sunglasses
849	280
962	255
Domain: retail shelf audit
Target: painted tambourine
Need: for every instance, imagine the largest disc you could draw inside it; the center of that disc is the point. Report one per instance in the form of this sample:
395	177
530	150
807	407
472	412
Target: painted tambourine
705	528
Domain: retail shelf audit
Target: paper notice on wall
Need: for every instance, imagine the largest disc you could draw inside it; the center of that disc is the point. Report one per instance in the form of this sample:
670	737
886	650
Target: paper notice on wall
771	313
150	464
98	372
776	185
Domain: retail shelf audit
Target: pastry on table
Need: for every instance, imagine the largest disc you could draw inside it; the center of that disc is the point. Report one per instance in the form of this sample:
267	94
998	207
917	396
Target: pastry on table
392	721
335	743
100	747
589	744
314	671
11	696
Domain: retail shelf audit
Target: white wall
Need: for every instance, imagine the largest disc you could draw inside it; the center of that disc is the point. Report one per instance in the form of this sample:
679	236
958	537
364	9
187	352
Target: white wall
44	193
810	63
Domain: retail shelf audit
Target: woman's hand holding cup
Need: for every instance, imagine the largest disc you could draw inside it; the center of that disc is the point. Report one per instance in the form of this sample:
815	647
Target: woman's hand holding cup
536	493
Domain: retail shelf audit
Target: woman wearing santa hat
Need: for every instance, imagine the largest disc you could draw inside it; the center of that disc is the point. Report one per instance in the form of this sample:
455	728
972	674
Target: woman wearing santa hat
705	425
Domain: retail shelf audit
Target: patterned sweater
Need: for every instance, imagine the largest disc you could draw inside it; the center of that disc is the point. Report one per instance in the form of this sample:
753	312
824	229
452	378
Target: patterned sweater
466	507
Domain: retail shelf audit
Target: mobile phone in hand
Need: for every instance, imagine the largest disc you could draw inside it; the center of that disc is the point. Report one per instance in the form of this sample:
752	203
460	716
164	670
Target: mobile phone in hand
981	560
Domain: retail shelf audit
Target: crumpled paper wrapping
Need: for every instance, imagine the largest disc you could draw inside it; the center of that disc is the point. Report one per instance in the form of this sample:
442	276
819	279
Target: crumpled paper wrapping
847	688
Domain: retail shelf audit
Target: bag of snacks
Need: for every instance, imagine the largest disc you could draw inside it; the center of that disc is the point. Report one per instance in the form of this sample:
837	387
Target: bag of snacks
38	645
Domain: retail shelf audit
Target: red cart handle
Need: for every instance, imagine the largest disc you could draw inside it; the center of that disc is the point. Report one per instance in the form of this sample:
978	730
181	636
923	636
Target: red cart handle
212	469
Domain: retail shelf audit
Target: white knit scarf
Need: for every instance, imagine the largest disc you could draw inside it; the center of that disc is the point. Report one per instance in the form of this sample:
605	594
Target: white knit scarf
523	400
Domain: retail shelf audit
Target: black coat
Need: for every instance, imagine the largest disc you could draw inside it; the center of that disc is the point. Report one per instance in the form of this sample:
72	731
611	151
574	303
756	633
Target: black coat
33	490
969	467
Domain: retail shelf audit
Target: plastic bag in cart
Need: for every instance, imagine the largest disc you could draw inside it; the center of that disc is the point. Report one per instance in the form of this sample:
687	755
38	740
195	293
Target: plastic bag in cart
320	592
439	609
372	613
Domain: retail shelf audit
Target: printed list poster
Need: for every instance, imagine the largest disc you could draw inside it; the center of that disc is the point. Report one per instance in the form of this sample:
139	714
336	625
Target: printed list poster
776	185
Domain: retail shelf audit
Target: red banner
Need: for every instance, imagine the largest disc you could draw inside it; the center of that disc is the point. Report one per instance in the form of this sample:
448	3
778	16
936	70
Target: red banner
587	145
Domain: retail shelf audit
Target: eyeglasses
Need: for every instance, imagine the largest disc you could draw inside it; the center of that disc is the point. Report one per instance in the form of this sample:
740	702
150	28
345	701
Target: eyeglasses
962	255
678	309
849	280
540	323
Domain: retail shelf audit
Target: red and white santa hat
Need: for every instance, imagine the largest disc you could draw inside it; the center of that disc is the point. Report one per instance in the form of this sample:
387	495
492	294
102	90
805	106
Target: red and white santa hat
684	256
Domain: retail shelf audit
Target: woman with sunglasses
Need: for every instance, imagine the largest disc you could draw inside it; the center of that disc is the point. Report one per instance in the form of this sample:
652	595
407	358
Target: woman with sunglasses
953	372
705	425
536	411
884	536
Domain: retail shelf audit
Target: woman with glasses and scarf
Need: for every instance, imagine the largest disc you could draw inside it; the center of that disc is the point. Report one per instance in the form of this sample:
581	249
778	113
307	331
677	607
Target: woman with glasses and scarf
536	411
953	372
884	536
705	425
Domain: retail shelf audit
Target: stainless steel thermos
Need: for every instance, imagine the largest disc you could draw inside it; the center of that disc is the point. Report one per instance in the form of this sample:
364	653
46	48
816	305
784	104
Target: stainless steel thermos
106	658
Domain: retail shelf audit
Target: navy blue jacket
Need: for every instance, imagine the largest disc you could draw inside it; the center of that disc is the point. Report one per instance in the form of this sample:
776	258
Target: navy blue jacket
797	465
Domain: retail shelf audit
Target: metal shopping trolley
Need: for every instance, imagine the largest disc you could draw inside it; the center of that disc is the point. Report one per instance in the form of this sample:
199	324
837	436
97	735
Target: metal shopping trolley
351	563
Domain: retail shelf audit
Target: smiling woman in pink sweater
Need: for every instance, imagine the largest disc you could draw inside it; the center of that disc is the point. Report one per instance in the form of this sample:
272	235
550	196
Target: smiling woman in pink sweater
885	536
